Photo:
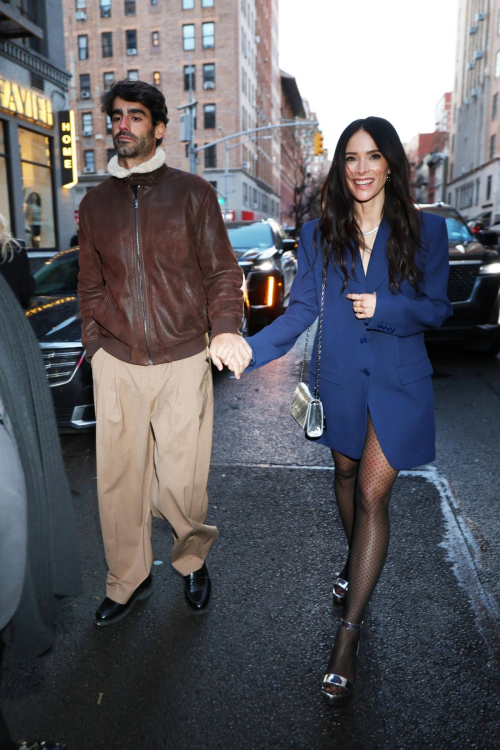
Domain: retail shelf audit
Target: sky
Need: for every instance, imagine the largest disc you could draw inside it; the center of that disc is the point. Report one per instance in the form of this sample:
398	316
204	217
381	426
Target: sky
355	58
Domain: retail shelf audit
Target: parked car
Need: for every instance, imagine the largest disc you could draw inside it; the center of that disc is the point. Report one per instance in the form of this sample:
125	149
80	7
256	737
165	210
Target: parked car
269	263
57	324
473	287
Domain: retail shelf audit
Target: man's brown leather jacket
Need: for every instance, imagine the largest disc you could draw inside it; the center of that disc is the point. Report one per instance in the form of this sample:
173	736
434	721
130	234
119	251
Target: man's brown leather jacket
157	270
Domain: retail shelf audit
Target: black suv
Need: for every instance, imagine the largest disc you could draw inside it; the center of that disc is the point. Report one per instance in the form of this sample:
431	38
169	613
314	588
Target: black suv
473	287
269	262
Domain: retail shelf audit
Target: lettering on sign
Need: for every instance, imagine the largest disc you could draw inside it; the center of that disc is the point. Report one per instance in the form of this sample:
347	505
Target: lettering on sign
67	145
22	101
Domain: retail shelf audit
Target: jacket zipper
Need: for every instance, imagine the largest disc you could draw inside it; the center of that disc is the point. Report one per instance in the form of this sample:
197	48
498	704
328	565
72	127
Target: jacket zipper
139	268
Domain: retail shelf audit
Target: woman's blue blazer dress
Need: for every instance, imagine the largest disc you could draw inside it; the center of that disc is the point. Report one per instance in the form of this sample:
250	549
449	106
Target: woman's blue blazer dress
378	365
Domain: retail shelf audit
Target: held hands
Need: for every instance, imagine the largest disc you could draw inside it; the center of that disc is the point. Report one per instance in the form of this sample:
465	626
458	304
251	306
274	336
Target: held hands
363	305
232	350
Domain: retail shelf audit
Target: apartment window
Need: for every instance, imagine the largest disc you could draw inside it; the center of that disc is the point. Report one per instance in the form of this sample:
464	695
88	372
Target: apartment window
110	152
155	38
207	3
478	184
85	86
449	198
497	65
108	80
105	6
107	44
209	76
156	78
208	35
488	187
109	125
498	27
214	184
493	145
451	171
453	143
189	72
245	194
187	4
81	4
83	47
130	7
154	2
209	116
133	75
89	161
188	36
87	124
131	36
211	157
494	111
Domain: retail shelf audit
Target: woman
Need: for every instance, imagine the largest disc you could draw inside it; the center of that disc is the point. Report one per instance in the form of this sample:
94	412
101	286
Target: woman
33	215
15	266
386	266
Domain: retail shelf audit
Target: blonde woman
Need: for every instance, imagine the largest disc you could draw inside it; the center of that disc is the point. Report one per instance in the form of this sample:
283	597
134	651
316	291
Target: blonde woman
15	267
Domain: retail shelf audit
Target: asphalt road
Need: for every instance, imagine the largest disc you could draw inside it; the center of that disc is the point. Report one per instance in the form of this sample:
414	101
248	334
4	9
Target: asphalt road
248	674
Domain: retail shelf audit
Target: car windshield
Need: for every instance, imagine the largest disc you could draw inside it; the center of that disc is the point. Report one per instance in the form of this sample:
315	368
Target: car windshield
250	236
58	276
457	231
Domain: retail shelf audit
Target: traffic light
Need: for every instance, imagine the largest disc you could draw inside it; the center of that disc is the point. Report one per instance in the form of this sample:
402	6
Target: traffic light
318	144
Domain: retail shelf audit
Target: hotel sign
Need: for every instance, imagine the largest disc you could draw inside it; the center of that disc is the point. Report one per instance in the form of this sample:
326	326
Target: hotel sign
67	145
22	101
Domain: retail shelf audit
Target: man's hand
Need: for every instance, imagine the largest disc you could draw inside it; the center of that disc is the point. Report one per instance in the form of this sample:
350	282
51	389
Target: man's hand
363	305
232	350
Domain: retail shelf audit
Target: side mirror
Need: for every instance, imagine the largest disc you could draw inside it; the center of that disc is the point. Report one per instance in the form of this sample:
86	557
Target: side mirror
290	246
489	239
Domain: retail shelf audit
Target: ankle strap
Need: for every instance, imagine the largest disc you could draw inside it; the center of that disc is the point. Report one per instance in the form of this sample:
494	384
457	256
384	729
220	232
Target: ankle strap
351	625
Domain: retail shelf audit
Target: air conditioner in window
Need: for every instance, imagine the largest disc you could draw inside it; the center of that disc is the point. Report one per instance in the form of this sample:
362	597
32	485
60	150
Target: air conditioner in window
471	66
132	51
89	170
209	85
478	54
474	92
480	16
81	15
255	205
246	165
472	29
84	94
87	132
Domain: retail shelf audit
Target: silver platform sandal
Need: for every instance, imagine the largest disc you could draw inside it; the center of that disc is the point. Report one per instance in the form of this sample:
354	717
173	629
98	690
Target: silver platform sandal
336	680
339	599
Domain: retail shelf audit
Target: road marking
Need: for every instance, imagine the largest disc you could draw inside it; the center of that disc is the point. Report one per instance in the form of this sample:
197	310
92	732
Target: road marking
462	549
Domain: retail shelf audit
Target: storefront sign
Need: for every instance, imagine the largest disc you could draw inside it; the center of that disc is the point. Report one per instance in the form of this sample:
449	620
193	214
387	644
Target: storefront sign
67	145
23	101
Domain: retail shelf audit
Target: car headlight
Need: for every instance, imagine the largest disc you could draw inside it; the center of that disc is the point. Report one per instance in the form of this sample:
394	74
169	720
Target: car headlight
491	268
266	266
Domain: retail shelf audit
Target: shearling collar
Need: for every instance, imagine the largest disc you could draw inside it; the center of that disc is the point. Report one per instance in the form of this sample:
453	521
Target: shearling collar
156	161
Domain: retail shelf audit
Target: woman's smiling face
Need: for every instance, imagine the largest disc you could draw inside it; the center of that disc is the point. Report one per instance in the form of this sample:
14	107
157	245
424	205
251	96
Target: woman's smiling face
366	169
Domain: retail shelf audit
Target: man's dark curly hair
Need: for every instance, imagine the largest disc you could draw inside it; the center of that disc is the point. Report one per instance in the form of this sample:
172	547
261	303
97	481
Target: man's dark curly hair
137	91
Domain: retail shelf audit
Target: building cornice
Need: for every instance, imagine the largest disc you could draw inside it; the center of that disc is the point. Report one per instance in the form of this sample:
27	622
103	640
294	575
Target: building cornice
33	61
464	175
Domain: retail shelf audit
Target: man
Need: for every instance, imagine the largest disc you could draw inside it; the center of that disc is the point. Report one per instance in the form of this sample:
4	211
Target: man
156	270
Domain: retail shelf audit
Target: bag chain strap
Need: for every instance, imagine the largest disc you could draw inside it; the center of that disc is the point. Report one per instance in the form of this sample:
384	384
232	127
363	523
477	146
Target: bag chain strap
320	338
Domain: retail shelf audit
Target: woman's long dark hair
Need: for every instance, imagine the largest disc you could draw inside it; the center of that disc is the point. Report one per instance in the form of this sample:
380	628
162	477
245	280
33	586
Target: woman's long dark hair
339	231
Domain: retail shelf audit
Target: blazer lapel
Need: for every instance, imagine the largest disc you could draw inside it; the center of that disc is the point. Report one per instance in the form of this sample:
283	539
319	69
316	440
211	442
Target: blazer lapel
357	285
378	267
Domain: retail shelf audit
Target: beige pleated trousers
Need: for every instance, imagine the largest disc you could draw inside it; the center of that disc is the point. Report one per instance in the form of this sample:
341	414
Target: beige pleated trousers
153	446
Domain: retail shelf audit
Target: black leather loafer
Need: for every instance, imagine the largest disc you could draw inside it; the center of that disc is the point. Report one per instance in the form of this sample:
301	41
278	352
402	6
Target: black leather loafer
198	590
110	612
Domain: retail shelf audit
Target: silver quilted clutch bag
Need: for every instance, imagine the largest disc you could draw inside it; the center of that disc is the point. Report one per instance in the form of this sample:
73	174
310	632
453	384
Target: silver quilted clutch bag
307	409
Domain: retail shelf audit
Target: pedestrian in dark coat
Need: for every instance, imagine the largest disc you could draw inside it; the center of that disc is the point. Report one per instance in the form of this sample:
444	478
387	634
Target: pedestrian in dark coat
38	546
386	269
15	266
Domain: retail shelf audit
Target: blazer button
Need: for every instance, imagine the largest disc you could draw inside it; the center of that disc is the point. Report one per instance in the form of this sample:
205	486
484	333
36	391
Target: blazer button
366	372
363	340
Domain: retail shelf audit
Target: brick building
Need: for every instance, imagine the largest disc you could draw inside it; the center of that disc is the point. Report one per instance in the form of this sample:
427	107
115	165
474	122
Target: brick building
426	152
222	46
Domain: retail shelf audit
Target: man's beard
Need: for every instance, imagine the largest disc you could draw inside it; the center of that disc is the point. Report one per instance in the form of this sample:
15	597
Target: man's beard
140	147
